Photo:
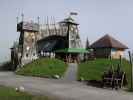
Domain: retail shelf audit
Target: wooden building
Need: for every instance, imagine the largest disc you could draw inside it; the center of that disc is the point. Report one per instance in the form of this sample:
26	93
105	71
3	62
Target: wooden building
107	47
65	45
60	40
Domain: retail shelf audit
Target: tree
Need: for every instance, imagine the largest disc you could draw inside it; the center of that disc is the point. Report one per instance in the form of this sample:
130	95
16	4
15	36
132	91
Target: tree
87	44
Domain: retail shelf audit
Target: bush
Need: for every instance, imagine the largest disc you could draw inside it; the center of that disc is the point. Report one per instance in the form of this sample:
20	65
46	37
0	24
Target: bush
6	66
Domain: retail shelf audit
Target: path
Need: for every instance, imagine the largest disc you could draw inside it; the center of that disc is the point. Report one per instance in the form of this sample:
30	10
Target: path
71	73
62	90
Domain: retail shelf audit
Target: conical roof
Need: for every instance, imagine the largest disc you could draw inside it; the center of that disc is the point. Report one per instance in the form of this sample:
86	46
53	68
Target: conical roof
108	42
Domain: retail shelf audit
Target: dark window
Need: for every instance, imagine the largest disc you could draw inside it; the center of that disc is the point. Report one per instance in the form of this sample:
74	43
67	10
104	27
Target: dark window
32	40
27	55
33	54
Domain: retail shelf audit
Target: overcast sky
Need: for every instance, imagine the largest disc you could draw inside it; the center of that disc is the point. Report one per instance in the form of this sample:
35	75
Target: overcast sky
96	18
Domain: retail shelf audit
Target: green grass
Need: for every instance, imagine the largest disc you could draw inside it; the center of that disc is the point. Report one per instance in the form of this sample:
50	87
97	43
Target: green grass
44	67
93	70
11	94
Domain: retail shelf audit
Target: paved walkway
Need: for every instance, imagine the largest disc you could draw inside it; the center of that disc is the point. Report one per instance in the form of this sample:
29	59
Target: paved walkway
71	73
60	89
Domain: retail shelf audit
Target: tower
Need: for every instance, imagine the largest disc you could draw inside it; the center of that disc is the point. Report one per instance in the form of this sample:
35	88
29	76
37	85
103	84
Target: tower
73	49
29	32
70	28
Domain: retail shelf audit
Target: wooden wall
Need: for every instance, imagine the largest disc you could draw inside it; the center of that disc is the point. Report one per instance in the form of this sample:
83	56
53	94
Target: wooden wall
102	52
108	52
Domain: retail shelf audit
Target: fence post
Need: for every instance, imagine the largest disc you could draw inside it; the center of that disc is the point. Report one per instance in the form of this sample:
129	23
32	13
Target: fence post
120	61
131	63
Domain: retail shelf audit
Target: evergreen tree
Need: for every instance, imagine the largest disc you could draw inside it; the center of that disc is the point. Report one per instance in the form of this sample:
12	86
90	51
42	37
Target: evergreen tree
87	44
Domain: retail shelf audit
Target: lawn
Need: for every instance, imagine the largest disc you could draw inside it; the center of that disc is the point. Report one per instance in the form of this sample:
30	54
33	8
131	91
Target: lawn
93	70
44	67
11	94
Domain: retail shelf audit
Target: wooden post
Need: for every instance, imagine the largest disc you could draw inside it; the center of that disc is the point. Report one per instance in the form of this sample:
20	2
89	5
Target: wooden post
22	15
48	26
120	61
38	20
17	18
131	62
55	26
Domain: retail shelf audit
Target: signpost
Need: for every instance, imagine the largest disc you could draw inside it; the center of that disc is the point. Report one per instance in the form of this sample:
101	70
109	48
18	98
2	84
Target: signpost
131	62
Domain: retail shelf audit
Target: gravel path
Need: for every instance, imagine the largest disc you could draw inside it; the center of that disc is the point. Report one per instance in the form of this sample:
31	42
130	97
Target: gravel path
71	73
60	89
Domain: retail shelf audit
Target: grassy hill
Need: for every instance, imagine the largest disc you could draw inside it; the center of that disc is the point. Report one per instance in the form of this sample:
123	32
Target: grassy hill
93	70
44	67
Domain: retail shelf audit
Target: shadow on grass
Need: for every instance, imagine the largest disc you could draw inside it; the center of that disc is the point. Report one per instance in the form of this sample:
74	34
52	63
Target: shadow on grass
128	90
98	84
93	83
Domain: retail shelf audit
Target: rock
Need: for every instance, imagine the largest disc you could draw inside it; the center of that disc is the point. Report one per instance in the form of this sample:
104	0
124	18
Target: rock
19	89
16	89
56	76
81	79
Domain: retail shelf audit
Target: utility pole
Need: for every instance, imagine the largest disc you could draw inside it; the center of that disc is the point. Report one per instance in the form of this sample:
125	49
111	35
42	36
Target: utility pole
131	63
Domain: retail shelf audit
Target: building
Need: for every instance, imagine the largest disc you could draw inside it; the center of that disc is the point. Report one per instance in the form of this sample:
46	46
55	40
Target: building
107	47
59	40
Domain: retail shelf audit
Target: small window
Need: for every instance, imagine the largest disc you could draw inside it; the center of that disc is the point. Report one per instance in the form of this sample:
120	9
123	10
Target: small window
32	40
27	55
33	54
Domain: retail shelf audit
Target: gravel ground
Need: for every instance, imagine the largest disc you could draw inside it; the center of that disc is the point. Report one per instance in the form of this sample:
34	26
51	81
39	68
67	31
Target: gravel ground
62	90
71	73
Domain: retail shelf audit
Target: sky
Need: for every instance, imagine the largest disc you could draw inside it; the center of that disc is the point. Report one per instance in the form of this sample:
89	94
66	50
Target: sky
96	18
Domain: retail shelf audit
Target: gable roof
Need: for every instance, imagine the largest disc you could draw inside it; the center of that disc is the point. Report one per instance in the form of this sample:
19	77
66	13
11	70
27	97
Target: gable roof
108	42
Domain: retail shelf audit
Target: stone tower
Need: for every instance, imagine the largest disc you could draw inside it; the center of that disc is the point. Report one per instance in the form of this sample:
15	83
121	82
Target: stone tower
29	32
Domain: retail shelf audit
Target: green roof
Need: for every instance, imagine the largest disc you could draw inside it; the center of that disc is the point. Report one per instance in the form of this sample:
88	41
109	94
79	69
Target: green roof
72	50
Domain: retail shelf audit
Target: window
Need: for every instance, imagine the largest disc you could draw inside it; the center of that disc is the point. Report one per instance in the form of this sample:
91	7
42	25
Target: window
33	54
27	55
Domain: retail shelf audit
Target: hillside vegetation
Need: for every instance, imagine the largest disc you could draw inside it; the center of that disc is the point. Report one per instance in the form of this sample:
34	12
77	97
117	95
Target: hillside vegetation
93	70
44	67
